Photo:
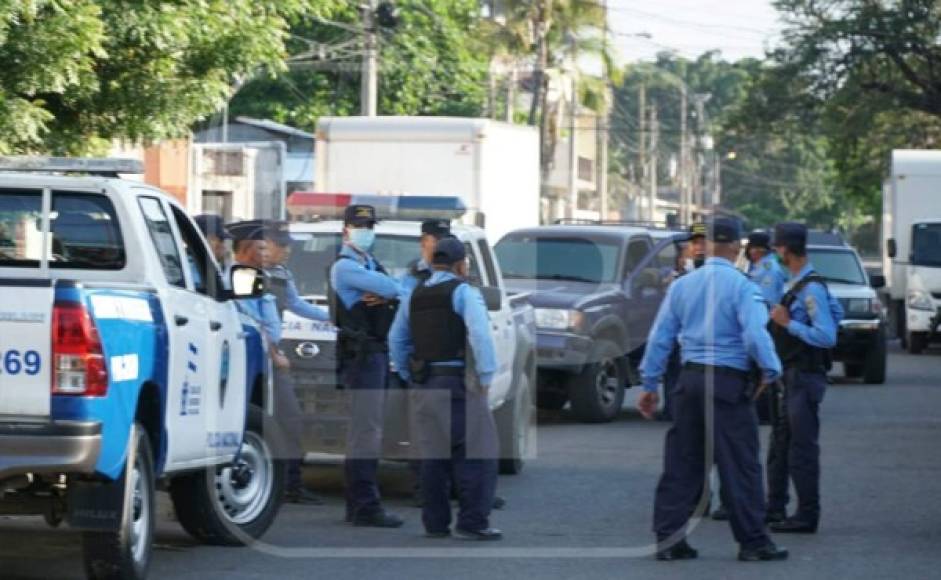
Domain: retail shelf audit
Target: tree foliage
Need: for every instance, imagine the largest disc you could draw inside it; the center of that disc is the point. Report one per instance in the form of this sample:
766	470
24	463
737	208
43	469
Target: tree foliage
78	74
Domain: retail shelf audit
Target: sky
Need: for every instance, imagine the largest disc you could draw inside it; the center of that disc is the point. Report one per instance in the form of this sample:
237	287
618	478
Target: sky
739	28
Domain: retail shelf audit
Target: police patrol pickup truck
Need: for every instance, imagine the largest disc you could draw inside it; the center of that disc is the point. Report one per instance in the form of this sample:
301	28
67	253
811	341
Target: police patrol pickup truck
311	345
124	366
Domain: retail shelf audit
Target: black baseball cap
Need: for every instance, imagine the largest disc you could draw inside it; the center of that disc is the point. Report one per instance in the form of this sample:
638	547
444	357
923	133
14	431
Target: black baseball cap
790	234
723	230
759	239
277	232
212	225
436	228
247	230
359	215
448	251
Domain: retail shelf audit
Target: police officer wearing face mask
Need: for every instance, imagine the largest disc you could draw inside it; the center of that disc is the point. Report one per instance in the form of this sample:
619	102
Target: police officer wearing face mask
363	299
720	319
764	268
804	330
456	432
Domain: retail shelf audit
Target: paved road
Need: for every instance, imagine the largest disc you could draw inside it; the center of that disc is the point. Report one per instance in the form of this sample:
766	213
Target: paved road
587	500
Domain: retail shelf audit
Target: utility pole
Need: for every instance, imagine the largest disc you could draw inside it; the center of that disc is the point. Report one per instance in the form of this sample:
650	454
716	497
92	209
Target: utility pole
573	144
369	89
603	135
685	200
654	144
642	139
510	93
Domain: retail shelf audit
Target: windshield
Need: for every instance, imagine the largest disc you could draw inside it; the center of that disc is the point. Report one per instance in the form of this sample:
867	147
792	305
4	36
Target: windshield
838	266
926	245
574	259
312	256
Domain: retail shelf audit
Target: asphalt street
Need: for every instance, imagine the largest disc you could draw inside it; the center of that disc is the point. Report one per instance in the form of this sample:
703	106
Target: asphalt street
582	509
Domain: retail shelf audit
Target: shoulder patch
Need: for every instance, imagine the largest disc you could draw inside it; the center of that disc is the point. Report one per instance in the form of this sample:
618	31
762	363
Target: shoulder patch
767	265
811	303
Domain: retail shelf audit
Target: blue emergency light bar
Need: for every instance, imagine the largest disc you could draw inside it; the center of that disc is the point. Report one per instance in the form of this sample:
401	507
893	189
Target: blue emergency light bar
388	207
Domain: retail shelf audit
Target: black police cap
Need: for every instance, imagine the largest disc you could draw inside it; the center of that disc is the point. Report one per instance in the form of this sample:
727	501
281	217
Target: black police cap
212	225
697	230
436	228
448	251
359	215
277	232
759	239
790	234
247	230
723	230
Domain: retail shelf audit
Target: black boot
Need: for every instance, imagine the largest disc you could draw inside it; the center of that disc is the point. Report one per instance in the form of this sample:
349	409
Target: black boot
679	551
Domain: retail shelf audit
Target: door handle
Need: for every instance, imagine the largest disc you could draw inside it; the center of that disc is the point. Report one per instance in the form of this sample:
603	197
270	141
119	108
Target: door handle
214	326
181	320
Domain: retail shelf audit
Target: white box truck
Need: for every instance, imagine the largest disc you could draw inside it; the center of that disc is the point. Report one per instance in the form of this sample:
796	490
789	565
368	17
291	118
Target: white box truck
492	166
911	232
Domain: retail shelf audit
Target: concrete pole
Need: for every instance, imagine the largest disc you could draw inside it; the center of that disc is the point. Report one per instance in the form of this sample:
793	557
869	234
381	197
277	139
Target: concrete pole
654	144
573	147
685	197
642	139
369	88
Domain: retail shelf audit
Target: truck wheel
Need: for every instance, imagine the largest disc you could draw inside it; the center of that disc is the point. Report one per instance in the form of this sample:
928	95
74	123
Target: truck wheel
597	393
852	370
230	505
125	553
917	342
513	428
876	361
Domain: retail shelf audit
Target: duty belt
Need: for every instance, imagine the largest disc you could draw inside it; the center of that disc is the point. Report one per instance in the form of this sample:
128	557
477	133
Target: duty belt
719	370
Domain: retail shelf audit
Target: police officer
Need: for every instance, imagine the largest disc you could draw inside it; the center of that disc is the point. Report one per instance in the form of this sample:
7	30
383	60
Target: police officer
804	329
213	227
457	435
764	268
250	249
287	298
363	300
420	271
720	319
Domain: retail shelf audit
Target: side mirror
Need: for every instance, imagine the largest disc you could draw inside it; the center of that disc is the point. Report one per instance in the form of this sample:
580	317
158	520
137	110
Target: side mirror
493	298
891	248
246	282
877	281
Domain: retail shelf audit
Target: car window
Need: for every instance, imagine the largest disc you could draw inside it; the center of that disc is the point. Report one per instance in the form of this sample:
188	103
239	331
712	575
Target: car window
162	236
203	271
488	262
637	250
839	265
529	257
83	231
666	257
474	276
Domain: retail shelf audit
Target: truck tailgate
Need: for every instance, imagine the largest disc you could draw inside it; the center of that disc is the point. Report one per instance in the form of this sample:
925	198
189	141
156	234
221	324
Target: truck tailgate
25	344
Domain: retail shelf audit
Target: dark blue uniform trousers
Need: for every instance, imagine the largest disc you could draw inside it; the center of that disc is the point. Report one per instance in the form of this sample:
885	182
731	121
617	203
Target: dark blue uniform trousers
366	380
794	452
458	444
685	473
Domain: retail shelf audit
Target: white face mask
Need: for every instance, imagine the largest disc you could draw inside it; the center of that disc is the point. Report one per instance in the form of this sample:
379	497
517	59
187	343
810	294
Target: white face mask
689	265
363	238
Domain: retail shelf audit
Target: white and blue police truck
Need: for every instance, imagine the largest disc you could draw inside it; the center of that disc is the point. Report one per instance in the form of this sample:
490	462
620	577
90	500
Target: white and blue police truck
125	367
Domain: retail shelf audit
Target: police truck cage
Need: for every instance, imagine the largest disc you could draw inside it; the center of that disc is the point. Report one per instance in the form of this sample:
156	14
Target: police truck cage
103	166
309	206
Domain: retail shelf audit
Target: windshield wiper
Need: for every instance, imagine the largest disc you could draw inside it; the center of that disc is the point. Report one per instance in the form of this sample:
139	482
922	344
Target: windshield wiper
568	278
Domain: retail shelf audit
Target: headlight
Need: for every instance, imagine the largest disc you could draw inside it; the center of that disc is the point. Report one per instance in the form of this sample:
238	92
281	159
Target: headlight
557	319
858	306
920	300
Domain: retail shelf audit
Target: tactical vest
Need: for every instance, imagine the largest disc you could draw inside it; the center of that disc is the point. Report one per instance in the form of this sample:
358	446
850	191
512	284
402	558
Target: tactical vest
278	287
361	329
438	332
792	351
421	275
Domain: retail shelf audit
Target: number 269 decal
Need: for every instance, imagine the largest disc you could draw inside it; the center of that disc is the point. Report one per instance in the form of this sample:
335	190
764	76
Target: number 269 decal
14	362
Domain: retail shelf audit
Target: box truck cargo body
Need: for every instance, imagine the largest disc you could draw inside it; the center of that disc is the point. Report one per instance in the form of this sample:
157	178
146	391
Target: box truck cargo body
493	167
911	232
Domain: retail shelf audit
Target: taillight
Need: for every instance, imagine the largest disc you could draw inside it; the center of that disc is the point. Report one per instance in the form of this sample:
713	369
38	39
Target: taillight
78	360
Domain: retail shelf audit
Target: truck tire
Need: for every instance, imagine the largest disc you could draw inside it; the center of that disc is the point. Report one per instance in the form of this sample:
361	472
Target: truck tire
126	552
513	427
917	342
597	392
231	505
852	370
876	361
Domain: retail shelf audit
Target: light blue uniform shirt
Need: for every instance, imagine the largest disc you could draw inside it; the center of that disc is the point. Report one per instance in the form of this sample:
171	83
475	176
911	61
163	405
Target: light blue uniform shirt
719	317
770	277
297	305
409	281
353	278
469	305
263	310
815	314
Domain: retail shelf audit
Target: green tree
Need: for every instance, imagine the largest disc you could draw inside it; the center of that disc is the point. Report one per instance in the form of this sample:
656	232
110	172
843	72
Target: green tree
78	74
433	63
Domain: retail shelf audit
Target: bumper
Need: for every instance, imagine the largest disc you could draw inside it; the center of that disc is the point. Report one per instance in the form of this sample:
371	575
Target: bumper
48	447
922	320
856	337
562	351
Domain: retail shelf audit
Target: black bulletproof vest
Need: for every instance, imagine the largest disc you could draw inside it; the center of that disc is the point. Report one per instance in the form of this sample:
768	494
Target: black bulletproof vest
421	275
438	332
793	351
361	328
278	287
